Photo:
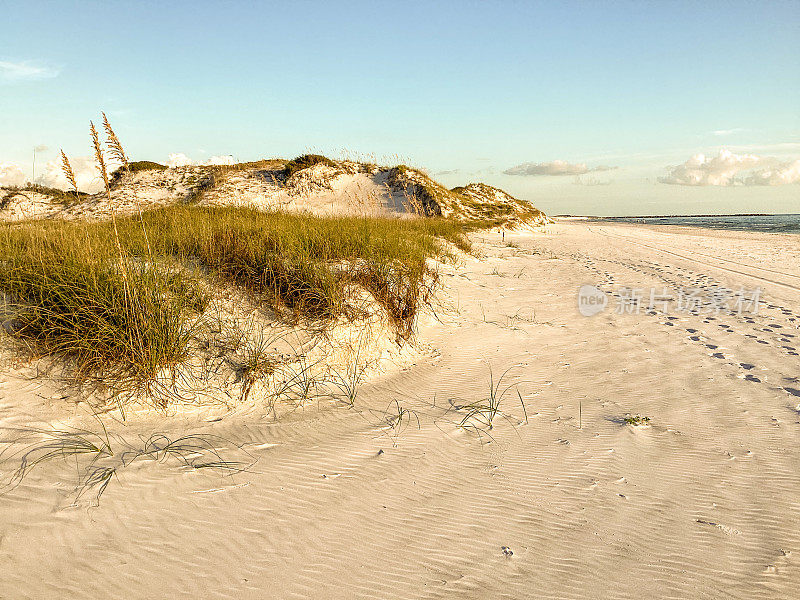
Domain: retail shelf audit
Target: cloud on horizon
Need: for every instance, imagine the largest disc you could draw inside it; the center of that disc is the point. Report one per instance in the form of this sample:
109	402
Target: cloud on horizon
724	132
179	159
729	169
17	72
555	167
87	174
11	174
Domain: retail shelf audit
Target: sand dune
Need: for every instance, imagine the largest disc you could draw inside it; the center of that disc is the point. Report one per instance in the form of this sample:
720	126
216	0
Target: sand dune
562	500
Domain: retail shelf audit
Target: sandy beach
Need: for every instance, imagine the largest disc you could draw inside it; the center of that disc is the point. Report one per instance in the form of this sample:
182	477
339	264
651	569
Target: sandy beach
393	499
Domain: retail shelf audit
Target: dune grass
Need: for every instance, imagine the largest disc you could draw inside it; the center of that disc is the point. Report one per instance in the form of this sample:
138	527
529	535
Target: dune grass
117	298
305	161
72	296
303	264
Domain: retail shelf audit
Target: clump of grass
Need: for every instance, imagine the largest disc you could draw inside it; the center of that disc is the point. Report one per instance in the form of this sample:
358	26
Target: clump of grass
75	295
55	195
399	419
308	266
258	362
482	413
122	310
348	380
73	298
636	420
137	166
305	161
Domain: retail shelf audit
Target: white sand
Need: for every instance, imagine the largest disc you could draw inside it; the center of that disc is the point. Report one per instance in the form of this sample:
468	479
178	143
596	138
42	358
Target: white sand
703	503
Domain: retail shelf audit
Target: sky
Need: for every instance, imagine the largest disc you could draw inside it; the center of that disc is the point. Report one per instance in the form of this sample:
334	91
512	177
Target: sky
609	108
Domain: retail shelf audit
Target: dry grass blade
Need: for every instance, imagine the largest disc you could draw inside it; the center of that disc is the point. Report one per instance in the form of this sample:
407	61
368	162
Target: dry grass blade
114	145
194	451
53	444
68	173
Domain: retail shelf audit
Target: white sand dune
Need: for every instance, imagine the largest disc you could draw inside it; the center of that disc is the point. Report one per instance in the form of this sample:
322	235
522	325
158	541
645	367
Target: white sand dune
341	188
701	503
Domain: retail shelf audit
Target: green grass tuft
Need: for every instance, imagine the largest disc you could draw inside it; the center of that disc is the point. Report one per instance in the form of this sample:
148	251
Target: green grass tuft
305	161
137	167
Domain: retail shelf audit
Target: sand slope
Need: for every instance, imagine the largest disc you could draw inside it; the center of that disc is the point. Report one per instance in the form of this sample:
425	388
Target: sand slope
703	503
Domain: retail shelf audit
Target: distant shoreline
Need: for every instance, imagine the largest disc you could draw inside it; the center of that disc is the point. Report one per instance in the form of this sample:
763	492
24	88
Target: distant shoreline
766	223
676	216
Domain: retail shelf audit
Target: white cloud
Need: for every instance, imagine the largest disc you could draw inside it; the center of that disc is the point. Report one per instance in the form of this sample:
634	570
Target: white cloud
226	159
87	174
11	174
14	72
723	169
781	173
179	159
556	167
724	132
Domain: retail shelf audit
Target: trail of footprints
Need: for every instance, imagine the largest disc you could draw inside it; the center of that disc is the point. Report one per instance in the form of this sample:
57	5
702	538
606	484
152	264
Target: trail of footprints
760	327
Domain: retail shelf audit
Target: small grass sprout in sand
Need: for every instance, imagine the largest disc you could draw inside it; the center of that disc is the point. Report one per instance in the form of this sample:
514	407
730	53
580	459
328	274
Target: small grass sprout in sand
399	418
259	362
482	413
348	380
637	420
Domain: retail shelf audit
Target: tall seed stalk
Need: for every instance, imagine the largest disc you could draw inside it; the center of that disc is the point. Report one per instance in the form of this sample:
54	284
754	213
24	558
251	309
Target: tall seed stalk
117	151
68	173
101	165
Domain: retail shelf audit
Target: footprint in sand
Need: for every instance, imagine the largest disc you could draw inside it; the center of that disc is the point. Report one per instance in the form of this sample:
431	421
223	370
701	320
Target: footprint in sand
793	391
718	355
746	366
752	378
711	346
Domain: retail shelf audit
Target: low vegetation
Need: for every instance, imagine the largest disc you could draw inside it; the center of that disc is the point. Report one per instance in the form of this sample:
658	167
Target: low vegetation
637	420
72	295
65	198
118	298
138	166
304	162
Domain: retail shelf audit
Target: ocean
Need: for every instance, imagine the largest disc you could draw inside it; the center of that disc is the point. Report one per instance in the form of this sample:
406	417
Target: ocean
788	223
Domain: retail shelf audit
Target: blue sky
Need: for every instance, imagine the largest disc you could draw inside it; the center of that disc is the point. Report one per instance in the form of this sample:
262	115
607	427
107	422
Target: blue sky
468	90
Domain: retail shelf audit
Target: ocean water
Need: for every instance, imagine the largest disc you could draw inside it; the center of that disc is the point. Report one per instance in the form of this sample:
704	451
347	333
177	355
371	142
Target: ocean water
788	223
